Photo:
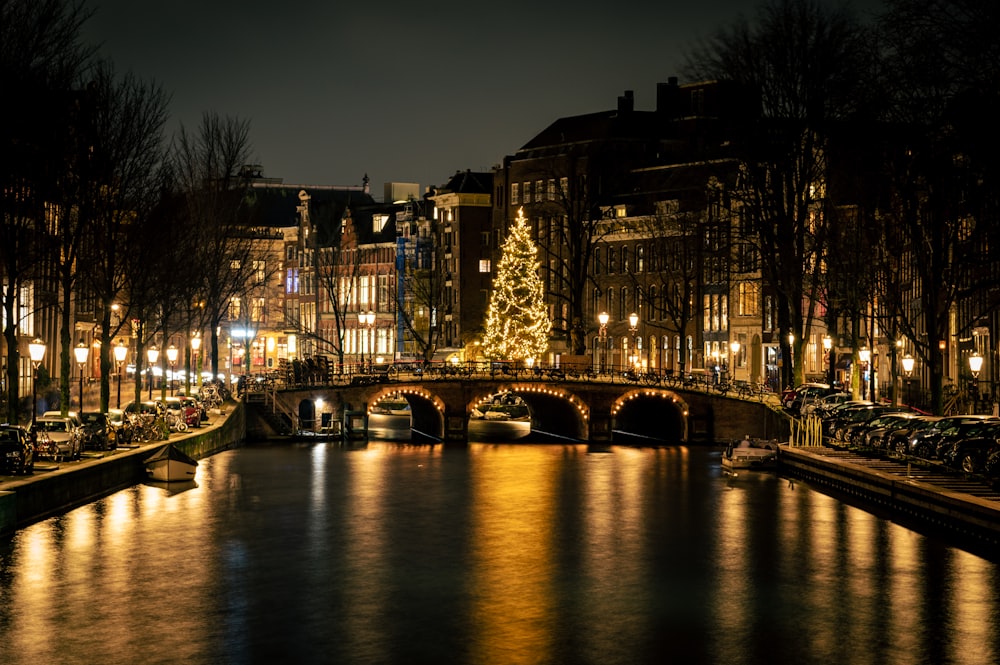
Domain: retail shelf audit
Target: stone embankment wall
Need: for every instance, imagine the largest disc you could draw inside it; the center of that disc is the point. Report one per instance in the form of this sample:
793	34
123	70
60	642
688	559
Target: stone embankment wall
46	493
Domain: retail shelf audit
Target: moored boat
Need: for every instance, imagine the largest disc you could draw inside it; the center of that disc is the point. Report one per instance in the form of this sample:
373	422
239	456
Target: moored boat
169	464
750	455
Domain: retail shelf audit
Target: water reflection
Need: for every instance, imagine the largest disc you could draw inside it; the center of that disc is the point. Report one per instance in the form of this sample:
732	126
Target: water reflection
497	553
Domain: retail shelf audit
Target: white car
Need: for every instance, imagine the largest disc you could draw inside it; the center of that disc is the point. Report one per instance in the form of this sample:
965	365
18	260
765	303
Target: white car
59	437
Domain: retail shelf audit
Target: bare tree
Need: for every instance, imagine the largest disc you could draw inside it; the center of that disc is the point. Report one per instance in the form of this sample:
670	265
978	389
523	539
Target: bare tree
209	167
41	57
576	186
940	73
802	62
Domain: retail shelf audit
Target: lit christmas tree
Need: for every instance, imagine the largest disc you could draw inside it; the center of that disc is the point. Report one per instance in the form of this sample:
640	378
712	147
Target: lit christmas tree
517	324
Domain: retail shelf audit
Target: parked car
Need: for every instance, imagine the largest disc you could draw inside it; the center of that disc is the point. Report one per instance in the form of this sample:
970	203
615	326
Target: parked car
898	441
991	468
58	437
860	417
969	454
924	443
73	415
146	407
98	433
821	405
858	434
879	437
17	451
987	428
794	399
188	408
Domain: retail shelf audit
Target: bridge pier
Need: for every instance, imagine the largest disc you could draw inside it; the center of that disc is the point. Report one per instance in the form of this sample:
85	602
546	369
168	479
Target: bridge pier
600	428
456	426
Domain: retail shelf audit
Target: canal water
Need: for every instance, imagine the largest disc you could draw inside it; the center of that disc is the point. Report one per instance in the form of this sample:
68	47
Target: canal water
487	554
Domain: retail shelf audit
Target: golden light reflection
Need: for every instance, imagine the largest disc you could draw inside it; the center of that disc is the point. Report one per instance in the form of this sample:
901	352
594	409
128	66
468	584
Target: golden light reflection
613	544
734	595
512	562
364	551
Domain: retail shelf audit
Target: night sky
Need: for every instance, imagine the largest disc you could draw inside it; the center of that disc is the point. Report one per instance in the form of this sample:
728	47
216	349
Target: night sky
397	90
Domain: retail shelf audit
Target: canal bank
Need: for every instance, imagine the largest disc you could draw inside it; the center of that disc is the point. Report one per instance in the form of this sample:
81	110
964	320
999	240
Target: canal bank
54	489
933	502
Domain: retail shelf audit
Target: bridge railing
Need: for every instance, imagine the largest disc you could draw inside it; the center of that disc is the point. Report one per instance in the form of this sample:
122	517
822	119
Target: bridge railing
325	374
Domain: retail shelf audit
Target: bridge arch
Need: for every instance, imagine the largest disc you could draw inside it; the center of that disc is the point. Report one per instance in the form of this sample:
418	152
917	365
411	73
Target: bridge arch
426	409
554	409
630	414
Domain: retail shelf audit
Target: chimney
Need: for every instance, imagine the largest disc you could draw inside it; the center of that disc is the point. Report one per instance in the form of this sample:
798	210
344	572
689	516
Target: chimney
668	97
626	102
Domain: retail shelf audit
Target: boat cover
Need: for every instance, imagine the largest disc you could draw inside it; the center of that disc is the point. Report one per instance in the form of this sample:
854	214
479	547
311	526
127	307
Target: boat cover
170	452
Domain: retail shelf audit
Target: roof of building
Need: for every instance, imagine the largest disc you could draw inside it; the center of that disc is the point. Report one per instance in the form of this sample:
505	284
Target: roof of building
468	182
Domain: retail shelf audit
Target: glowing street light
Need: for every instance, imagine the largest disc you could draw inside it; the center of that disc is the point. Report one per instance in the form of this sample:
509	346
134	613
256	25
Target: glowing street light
36	351
908	363
152	354
366	319
976	365
196	348
172	359
82	351
121	352
865	356
602	336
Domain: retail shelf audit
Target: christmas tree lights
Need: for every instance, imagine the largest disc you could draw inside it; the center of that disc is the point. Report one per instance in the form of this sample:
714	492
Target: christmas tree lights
517	322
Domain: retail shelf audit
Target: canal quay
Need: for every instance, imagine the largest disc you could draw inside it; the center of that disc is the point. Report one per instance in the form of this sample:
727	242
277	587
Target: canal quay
56	487
924	496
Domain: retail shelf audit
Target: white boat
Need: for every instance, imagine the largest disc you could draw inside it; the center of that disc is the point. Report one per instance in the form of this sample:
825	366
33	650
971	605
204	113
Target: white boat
169	464
392	407
750	455
516	412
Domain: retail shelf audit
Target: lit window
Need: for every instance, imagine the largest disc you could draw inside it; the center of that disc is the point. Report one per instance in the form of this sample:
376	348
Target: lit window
484	265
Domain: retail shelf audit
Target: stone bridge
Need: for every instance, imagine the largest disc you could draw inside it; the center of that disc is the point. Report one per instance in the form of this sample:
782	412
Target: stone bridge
585	411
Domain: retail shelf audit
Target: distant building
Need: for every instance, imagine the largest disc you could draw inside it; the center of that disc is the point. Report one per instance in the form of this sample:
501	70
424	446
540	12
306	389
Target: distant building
463	219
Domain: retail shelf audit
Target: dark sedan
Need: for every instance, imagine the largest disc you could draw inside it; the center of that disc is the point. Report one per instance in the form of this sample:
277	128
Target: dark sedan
17	451
98	432
970	455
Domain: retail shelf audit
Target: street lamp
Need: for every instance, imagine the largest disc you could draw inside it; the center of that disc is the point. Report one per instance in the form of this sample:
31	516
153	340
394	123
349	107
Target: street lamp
828	352
172	359
152	353
602	319
633	325
975	364
865	356
366	319
121	351
82	351
196	347
734	346
908	369
36	350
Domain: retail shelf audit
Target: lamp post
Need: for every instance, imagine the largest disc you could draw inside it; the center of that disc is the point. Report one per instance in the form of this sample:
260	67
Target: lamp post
82	351
152	353
734	346
865	356
975	364
366	319
121	351
828	352
633	326
172	359
196	348
36	350
602	336
908	370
